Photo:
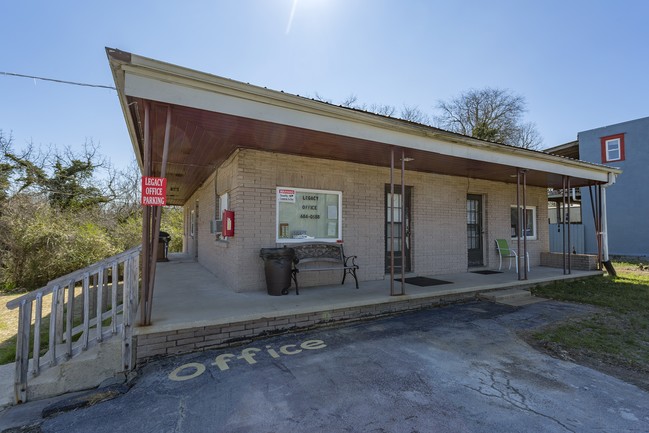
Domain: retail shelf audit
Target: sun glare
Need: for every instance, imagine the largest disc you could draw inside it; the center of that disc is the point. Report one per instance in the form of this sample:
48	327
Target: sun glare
290	18
307	7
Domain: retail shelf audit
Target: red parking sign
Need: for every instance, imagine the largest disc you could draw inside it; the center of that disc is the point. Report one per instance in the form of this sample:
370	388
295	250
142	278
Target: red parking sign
154	191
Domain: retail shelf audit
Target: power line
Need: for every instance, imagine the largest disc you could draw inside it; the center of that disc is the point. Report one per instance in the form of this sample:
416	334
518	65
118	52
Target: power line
58	81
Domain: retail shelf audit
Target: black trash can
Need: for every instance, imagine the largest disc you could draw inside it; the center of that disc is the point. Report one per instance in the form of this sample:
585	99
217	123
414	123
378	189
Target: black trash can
277	265
163	246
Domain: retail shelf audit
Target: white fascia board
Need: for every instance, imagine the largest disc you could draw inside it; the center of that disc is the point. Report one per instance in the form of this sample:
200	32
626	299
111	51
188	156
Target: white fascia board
118	77
280	109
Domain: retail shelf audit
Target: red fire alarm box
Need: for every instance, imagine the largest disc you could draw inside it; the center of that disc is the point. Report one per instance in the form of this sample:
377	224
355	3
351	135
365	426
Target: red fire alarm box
228	223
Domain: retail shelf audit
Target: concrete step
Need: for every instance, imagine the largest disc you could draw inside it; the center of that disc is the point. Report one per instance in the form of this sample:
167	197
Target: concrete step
513	297
83	372
7	372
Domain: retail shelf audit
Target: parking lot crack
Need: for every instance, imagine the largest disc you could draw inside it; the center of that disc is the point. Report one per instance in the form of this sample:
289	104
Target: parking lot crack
496	384
283	368
181	416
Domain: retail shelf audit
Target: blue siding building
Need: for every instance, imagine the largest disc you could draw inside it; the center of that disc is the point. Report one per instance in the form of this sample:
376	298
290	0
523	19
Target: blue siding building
625	146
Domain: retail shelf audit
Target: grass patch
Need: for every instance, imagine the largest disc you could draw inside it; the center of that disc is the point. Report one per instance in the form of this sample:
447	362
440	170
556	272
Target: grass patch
619	334
9	326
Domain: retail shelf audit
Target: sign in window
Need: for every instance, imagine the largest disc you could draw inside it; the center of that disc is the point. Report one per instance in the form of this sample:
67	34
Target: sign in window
308	215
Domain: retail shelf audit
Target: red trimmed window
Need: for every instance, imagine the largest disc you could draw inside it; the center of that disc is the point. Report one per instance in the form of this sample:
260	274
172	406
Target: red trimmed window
612	148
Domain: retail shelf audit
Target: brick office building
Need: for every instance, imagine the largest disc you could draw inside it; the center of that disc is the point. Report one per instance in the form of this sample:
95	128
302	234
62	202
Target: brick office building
297	170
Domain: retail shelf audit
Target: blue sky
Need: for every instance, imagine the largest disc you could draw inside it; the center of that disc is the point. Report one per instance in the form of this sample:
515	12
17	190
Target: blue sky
579	64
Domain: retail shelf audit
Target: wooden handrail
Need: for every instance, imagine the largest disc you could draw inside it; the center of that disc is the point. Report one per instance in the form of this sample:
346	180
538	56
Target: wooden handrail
91	284
31	296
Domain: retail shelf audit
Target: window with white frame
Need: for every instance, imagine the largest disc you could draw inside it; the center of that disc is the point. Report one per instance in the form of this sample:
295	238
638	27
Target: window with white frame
530	229
613	148
220	204
308	214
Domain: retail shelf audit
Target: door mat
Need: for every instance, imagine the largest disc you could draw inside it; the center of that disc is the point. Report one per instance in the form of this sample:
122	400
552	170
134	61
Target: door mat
487	272
423	281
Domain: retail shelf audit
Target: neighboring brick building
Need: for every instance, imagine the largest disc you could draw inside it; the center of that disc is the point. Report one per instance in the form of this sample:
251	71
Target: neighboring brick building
291	168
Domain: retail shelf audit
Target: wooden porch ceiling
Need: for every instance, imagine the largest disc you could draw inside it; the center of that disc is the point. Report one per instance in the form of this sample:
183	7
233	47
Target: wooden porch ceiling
202	140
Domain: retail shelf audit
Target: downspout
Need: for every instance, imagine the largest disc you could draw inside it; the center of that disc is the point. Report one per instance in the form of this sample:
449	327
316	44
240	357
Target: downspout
594	206
605	259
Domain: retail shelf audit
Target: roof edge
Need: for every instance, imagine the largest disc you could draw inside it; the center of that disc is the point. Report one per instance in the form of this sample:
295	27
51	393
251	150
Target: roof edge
160	70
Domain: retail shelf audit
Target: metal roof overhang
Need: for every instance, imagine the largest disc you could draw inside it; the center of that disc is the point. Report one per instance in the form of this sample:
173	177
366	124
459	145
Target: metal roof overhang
212	117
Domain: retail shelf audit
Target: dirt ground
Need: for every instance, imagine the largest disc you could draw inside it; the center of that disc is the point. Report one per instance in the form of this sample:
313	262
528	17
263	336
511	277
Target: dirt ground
626	373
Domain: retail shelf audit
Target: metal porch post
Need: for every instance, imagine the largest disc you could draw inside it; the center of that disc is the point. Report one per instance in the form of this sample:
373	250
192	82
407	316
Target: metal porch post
525	259
403	227
563	223
403	223
600	241
600	235
146	221
569	229
157	215
594	207
518	220
392	222
521	226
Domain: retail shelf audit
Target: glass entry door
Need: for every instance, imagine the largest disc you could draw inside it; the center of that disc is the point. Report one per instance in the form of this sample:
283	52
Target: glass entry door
474	230
399	203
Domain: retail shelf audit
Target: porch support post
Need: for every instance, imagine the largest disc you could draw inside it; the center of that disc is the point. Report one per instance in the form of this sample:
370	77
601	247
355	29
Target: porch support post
564	185
157	215
525	258
403	222
600	241
146	232
606	261
392	222
569	229
521	224
518	220
594	207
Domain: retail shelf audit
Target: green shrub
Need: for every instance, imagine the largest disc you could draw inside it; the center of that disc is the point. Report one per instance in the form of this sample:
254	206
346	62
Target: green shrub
40	243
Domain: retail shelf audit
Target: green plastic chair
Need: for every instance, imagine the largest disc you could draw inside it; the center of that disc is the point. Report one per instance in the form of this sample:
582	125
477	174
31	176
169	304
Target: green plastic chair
504	251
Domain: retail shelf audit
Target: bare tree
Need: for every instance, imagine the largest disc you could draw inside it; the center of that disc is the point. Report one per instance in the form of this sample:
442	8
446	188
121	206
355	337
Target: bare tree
528	136
412	113
489	114
6	166
382	109
124	186
351	102
319	97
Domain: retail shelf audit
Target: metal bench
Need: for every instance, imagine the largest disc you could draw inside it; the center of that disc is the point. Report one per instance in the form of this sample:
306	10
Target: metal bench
332	254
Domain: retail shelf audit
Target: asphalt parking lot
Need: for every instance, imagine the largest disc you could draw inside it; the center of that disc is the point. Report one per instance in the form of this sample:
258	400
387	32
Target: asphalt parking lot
455	369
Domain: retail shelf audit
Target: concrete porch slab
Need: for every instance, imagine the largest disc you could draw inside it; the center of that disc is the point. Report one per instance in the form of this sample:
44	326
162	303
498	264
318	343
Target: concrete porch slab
187	295
193	310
